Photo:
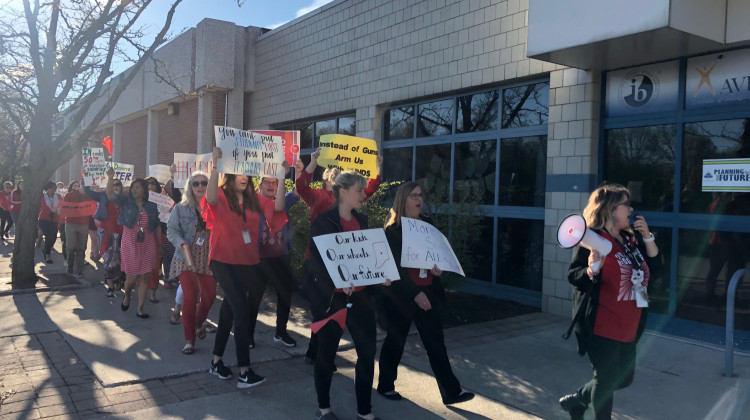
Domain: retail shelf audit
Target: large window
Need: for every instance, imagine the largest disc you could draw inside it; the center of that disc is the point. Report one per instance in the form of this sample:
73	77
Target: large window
488	150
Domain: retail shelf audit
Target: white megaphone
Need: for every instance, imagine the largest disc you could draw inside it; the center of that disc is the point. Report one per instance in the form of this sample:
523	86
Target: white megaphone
573	231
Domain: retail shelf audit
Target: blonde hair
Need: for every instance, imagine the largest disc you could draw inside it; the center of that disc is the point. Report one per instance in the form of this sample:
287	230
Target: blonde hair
346	180
399	203
330	174
188	199
602	204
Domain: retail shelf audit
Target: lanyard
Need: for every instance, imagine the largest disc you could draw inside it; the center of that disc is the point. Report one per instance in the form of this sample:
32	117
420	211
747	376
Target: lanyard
627	251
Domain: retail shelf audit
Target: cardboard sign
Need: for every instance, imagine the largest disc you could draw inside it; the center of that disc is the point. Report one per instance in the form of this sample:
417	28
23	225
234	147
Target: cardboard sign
187	163
77	209
290	141
248	153
94	166
423	246
160	172
726	175
360	257
163	203
349	153
123	171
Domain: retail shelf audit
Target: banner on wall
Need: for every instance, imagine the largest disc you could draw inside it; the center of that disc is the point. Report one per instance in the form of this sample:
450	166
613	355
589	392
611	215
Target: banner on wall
726	175
187	163
424	247
349	153
359	258
94	166
248	153
718	80
643	89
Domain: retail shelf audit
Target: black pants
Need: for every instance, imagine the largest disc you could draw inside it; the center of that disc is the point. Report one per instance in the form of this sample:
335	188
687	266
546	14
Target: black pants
49	229
5	219
279	271
64	242
397	314
614	368
360	321
235	309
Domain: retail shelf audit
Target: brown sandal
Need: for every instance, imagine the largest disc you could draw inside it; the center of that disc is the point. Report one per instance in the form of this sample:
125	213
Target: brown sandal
175	318
188	349
201	332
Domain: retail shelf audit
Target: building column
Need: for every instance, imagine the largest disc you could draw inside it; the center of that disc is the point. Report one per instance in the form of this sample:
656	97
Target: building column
206	122
368	123
116	141
152	138
236	97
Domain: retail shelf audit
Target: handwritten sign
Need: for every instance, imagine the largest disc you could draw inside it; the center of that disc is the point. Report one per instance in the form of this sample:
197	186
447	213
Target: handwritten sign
77	209
163	203
94	166
361	257
726	175
290	141
423	246
160	172
349	153
187	163
248	153
124	172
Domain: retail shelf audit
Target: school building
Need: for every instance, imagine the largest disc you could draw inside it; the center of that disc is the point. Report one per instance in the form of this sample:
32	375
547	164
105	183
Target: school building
525	109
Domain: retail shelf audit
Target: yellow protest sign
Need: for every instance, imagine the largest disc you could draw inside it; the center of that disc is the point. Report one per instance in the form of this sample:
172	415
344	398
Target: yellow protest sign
349	153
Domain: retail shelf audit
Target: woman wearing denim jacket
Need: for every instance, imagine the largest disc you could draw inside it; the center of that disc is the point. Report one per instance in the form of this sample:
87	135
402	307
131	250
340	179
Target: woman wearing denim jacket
187	230
140	221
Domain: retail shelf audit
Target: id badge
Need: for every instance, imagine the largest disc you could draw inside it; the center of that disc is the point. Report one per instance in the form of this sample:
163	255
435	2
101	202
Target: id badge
641	297
246	236
200	240
637	277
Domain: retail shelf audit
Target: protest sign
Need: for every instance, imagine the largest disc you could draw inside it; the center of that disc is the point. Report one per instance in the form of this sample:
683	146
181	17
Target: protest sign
94	166
77	209
187	163
361	257
423	246
290	141
248	153
726	175
123	171
160	172
349	153
163	203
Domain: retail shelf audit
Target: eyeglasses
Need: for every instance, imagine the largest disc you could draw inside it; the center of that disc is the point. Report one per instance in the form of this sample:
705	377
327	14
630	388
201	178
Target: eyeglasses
271	182
196	183
416	196
625	203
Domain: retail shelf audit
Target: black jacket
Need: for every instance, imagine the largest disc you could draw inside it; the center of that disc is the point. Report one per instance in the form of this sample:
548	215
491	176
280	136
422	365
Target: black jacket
586	294
318	287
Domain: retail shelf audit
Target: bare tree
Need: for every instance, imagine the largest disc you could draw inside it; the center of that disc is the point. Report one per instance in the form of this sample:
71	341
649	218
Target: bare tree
58	55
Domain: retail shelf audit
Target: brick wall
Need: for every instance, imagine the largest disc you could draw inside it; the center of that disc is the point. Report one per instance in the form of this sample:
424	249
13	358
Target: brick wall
133	147
177	133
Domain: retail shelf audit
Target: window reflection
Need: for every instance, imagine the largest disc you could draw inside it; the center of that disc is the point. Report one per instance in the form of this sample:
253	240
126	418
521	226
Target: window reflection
399	123
322	128
643	160
709	140
305	135
474	176
520	249
433	171
348	126
477	112
480	268
523	165
660	267
397	164
526	106
435	118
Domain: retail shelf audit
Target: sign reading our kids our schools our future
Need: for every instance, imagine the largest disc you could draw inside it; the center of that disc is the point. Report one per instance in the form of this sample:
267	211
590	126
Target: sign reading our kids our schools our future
248	153
349	153
358	258
423	246
731	175
187	163
94	166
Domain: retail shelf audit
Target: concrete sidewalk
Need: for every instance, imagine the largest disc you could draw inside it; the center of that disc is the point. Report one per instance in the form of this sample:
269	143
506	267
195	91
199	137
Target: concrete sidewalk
74	354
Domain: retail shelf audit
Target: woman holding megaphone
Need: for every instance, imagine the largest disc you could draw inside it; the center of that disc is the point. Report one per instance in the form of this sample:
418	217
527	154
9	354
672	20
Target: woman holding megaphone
610	299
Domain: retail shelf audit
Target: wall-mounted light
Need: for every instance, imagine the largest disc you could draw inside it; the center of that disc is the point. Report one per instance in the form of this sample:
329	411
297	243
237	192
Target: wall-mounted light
173	108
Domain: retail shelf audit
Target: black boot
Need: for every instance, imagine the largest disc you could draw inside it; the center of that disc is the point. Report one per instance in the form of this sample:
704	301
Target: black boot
574	406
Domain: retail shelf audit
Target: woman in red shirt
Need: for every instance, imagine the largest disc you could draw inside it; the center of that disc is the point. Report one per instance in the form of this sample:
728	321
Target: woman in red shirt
613	298
48	218
233	213
5	219
76	232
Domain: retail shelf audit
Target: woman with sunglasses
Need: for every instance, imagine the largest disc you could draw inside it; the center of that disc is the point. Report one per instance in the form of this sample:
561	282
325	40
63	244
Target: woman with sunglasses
418	297
235	216
107	214
141	234
187	229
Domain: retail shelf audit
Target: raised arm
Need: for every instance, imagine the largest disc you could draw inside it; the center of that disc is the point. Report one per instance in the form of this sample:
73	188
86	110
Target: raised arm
212	192
110	190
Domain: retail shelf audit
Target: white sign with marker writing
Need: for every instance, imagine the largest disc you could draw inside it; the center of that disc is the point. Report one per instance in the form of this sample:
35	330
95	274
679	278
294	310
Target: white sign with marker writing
423	246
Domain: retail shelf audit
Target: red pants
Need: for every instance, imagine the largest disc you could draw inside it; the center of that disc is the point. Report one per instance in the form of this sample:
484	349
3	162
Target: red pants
191	283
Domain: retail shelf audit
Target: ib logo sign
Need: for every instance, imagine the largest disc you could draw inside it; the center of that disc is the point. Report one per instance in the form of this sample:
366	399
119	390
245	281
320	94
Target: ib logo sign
638	88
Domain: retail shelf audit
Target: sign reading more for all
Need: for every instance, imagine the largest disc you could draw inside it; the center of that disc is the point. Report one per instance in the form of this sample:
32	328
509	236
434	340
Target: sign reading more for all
349	153
423	246
94	166
248	153
358	258
726	175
